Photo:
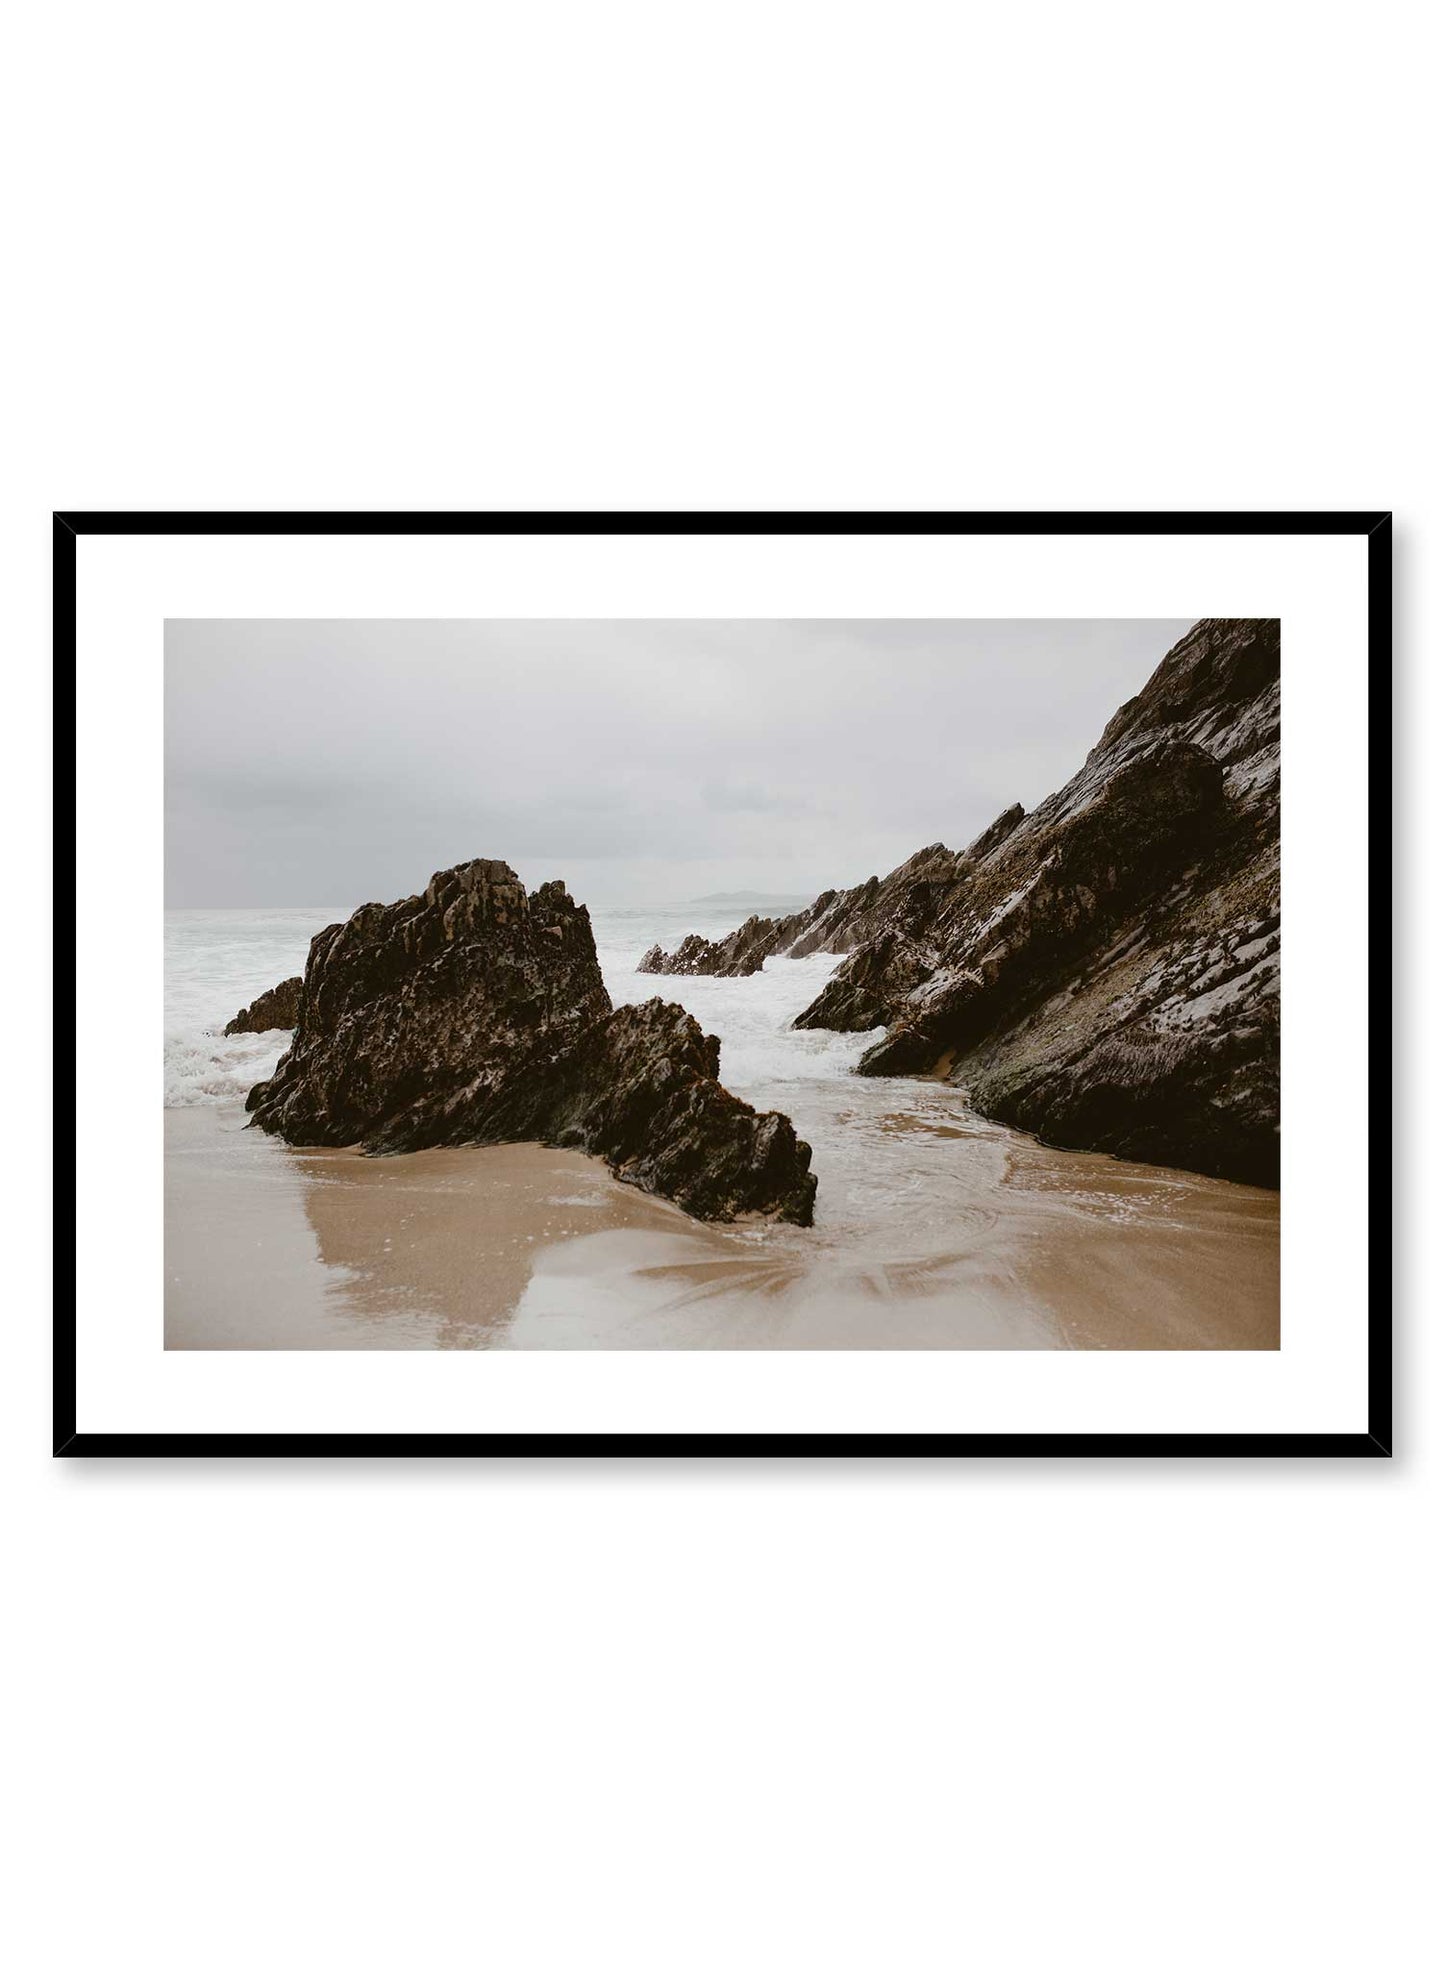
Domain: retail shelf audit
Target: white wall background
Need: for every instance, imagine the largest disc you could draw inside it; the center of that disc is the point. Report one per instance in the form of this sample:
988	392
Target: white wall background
777	255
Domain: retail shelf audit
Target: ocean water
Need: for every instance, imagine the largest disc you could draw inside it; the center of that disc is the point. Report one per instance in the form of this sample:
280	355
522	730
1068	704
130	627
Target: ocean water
217	961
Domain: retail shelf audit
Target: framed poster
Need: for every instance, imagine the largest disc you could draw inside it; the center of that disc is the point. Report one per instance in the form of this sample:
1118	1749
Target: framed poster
721	983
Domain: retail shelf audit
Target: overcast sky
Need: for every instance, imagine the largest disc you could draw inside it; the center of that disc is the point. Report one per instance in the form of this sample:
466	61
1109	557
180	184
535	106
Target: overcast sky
335	763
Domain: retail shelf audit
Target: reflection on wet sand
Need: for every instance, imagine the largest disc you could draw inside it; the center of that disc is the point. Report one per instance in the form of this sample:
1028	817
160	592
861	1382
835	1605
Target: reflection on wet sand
450	1237
319	1248
988	1240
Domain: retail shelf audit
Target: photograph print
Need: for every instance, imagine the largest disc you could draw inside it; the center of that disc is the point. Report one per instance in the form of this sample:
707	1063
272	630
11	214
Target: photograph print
722	984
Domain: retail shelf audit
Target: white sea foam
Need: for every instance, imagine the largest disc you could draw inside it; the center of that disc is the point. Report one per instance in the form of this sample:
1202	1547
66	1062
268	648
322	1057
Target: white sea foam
203	1067
219	960
753	1018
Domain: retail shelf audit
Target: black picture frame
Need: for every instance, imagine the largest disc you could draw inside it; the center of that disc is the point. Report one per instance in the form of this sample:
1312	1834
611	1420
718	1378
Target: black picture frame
1374	1441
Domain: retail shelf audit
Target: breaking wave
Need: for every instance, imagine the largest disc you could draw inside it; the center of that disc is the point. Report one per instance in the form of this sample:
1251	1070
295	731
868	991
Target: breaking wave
216	961
753	1018
203	1068
219	960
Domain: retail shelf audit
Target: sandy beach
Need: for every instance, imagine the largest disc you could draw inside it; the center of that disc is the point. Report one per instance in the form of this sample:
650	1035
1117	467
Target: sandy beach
1012	1245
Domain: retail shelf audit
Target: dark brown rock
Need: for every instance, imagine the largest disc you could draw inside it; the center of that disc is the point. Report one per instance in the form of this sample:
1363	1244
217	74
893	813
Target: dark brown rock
648	1100
1028	915
275	1010
1107	973
737	955
995	836
475	1013
692	957
840	919
1103	970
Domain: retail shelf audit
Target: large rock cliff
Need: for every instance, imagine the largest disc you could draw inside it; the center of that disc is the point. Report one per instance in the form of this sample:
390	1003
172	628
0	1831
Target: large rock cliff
1105	970
477	1013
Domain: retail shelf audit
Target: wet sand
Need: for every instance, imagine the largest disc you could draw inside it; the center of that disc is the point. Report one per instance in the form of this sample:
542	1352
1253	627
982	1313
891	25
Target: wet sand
993	1242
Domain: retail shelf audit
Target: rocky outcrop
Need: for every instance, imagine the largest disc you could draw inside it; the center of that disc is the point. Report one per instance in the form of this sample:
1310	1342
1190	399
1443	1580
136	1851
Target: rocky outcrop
275	1010
646	1098
1103	971
840	919
477	1013
1107	974
694	957
737	955
1159	1039
954	960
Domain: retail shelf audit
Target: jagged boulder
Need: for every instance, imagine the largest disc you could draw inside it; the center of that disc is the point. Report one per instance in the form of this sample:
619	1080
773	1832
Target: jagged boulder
691	958
476	1013
737	955
647	1099
275	1010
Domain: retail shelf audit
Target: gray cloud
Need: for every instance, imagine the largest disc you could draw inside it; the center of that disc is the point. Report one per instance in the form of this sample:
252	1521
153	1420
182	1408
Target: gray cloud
331	763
